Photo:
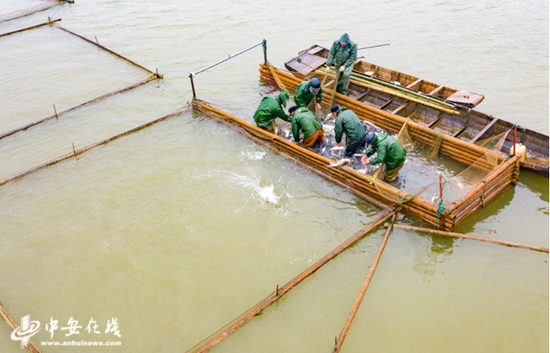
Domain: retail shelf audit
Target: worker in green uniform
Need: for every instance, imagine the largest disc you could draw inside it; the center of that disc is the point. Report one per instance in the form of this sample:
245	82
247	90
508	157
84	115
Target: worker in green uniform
347	122
343	53
271	108
388	150
304	120
306	91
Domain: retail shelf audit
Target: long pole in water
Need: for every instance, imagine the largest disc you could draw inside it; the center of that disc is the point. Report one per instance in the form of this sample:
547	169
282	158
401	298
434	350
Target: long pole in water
351	316
476	237
375	46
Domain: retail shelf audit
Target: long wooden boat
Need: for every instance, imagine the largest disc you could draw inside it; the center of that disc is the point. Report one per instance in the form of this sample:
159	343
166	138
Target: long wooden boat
314	57
460	121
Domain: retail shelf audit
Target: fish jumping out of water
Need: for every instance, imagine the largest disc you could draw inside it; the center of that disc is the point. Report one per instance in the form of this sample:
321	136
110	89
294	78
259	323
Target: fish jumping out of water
340	163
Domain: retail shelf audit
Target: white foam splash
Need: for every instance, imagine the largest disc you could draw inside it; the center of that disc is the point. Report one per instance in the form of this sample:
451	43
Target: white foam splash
265	193
254	156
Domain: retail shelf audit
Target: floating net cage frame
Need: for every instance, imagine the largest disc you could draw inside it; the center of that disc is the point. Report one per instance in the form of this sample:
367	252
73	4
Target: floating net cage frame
500	171
53	23
369	187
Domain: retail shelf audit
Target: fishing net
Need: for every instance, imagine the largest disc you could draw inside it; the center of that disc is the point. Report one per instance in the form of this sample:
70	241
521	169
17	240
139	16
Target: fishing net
452	187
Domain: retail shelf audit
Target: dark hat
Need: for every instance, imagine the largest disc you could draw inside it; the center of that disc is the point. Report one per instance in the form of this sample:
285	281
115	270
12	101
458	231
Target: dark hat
292	109
334	108
315	83
370	137
344	39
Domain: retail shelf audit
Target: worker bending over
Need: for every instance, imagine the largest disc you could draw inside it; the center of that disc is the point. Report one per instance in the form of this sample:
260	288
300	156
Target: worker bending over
388	150
306	91
347	122
304	120
271	108
343	53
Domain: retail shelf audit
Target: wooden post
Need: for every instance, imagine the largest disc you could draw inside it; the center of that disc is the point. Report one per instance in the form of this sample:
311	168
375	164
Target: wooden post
440	200
192	85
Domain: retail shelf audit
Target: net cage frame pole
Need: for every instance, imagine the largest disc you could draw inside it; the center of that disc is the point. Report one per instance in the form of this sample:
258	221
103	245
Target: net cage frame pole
35	9
150	77
192	75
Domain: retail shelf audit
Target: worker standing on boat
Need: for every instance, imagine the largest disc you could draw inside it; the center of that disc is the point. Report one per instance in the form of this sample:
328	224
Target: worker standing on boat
343	53
271	108
347	122
304	120
306	91
388	150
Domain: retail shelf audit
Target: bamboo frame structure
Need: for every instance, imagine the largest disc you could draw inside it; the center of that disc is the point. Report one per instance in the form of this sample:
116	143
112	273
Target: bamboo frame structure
225	331
468	236
76	152
13	325
151	76
362	184
95	100
31	10
363	290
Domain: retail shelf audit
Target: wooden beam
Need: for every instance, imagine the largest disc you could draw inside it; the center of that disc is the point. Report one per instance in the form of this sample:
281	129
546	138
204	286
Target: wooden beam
361	97
384	106
485	129
459	132
414	84
400	107
437	120
435	91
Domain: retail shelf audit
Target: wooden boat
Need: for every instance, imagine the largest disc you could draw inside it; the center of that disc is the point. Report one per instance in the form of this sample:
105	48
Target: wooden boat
459	121
314	57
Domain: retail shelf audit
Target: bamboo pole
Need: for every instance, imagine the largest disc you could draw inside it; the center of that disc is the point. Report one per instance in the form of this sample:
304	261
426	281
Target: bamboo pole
363	290
56	115
438	105
218	336
476	237
28	11
89	147
7	318
109	51
29	28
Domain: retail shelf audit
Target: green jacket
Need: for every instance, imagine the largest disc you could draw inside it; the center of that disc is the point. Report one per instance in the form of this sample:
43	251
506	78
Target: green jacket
347	122
389	151
343	55
271	108
303	96
304	120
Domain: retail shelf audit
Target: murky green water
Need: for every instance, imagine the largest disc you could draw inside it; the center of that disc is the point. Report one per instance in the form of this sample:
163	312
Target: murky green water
179	228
